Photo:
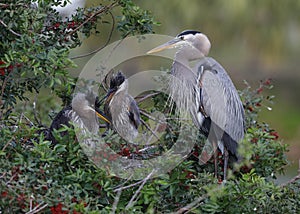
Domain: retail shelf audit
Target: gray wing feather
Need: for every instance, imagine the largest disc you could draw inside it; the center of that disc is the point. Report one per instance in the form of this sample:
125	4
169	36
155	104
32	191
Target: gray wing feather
134	112
220	98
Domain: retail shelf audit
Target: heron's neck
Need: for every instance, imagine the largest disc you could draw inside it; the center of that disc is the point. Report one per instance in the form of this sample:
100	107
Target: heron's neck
181	59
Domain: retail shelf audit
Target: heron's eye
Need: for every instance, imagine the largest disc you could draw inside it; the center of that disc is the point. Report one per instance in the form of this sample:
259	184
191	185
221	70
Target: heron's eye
181	38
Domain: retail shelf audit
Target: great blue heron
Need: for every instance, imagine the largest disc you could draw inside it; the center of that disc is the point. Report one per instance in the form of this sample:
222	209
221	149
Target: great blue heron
207	92
82	112
121	108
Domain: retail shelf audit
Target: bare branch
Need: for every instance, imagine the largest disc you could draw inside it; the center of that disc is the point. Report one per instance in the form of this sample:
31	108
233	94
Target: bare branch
129	186
116	201
191	206
146	97
104	9
105	44
143	112
154	133
37	209
133	198
2	92
146	125
10	30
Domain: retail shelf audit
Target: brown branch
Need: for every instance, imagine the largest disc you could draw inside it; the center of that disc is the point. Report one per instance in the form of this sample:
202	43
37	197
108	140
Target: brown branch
116	201
146	125
104	9
143	112
2	92
191	206
133	198
129	186
10	30
141	99
37	209
105	44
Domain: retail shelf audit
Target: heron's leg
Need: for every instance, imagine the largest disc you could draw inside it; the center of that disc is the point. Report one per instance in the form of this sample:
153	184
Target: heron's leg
226	156
215	159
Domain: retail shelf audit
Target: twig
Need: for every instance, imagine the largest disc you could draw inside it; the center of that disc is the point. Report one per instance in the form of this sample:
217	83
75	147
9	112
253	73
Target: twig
35	112
37	209
129	186
294	179
132	200
116	201
146	97
2	93
102	10
153	132
122	184
3	5
12	177
23	115
191	206
146	125
2	176
6	145
105	44
10	30
143	112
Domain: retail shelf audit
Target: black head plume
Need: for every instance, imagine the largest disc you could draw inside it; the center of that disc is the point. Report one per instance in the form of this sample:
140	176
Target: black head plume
117	80
186	32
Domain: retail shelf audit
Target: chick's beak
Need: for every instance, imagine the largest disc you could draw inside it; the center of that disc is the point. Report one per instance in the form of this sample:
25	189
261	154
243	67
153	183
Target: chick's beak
98	113
102	117
168	45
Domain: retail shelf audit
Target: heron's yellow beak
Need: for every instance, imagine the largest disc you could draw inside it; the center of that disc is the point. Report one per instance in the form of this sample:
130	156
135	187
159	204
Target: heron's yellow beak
168	45
102	117
99	114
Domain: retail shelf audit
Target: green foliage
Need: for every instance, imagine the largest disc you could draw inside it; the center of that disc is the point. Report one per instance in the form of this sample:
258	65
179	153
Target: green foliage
61	178
134	20
251	194
35	43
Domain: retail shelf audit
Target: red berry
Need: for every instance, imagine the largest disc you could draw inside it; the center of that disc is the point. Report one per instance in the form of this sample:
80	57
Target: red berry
126	152
4	194
254	140
275	134
267	82
259	90
74	200
190	175
56	25
2	71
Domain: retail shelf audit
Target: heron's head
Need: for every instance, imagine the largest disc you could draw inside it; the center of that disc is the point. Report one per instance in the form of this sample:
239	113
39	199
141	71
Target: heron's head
85	106
118	83
188	41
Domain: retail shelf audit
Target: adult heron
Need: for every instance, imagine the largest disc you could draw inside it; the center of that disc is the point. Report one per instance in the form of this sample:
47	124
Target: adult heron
207	92
83	112
121	108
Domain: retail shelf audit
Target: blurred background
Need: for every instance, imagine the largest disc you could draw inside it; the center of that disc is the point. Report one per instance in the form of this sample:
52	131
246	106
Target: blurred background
252	39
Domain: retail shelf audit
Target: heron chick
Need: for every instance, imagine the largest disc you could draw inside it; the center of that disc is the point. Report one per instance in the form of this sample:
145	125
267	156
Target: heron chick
207	92
82	111
121	108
